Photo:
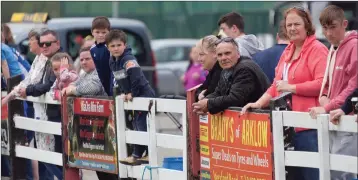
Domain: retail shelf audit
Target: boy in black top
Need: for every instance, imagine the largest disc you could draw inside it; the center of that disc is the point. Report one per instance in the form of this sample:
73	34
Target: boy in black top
132	83
100	53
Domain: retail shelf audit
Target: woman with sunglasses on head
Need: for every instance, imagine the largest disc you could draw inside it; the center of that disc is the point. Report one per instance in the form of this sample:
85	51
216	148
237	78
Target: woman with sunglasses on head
300	71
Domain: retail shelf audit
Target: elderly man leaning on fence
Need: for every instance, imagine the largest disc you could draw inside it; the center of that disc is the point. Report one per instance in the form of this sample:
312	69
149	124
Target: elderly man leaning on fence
242	80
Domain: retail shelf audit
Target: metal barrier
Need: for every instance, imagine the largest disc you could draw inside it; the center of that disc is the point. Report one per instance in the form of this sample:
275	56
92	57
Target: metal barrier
321	159
151	138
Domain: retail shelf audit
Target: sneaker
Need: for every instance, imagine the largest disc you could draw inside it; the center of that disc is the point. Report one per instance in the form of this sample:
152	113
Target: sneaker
133	161
143	160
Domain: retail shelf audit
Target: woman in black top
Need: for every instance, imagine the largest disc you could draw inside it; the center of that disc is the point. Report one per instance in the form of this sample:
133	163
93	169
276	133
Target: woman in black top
207	56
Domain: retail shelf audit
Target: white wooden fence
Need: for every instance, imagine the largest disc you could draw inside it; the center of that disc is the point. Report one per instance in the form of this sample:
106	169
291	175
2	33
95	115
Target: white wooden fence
38	126
321	159
151	138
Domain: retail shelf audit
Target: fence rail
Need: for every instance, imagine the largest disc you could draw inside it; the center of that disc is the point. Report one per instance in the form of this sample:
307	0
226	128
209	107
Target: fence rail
151	137
321	159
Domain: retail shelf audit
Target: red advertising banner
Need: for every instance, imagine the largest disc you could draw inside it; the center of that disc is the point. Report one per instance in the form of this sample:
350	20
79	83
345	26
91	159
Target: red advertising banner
92	137
235	147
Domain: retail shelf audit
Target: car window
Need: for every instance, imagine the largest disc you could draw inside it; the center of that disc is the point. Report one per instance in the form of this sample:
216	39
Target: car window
172	54
74	37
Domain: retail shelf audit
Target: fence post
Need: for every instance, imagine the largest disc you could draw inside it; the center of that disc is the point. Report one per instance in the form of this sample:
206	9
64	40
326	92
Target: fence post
323	147
152	145
279	151
68	173
16	136
121	135
193	146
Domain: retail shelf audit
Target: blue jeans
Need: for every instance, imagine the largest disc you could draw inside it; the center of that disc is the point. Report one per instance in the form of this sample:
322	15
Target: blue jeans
306	141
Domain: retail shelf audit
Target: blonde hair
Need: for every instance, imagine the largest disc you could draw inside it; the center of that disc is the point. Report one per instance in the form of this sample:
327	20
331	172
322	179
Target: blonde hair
58	56
208	43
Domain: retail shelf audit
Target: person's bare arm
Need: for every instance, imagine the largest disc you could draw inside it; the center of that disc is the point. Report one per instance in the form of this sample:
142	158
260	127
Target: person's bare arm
5	69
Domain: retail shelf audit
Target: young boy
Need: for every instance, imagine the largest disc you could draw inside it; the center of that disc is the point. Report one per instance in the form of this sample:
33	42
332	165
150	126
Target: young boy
340	79
132	83
100	53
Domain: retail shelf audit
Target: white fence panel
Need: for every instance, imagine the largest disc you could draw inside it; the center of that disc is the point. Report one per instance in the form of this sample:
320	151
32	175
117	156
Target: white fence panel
151	137
321	159
38	126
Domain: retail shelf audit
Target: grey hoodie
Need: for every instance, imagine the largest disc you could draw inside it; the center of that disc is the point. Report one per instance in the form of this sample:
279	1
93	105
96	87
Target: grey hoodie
249	45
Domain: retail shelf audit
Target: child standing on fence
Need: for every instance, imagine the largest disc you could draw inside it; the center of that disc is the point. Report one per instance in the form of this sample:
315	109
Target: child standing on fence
100	53
132	83
62	66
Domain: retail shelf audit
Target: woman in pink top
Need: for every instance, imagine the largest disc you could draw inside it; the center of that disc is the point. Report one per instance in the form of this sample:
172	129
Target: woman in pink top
300	71
65	74
195	74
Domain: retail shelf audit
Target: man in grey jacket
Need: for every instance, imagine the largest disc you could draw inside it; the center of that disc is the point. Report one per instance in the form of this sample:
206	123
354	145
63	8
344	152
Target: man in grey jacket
232	24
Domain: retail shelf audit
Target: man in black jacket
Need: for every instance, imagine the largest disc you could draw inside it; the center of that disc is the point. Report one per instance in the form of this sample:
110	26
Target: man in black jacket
242	80
50	45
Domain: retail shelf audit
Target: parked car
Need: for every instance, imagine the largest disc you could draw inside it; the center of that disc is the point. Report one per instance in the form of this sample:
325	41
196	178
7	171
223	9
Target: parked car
172	61
69	29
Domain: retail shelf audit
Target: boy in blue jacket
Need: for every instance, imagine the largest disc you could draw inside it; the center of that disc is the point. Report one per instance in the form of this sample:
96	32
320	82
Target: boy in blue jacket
100	53
132	83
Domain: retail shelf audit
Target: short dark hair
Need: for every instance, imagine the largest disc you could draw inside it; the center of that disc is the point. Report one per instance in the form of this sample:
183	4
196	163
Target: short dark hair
49	31
231	19
84	49
116	34
282	34
101	22
331	13
305	15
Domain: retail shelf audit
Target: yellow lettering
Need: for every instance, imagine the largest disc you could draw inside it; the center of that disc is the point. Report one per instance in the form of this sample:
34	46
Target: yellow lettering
232	130
243	134
264	134
252	133
247	132
259	138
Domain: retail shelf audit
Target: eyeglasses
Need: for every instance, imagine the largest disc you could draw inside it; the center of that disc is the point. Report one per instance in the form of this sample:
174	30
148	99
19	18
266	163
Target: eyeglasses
47	44
227	40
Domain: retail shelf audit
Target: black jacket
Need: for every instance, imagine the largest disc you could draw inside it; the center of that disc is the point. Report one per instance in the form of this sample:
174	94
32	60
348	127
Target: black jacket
129	76
347	107
239	85
101	55
211	81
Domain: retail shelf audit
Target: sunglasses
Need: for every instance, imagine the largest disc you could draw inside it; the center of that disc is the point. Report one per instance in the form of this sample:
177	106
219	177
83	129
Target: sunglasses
227	40
300	8
47	44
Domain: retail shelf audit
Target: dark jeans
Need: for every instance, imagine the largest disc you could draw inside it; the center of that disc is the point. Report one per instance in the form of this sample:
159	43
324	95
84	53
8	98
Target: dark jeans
140	124
306	141
106	176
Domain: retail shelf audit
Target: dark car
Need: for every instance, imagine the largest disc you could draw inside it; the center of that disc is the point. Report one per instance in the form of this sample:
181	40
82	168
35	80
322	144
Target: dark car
70	29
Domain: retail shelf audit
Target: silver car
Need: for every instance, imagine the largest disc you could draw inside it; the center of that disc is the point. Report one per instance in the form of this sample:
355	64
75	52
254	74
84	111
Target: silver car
172	57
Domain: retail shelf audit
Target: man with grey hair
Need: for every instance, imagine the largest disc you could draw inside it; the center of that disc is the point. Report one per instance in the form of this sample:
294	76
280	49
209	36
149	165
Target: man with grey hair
242	81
